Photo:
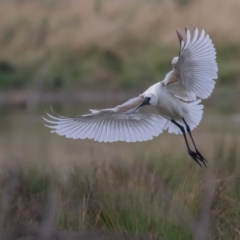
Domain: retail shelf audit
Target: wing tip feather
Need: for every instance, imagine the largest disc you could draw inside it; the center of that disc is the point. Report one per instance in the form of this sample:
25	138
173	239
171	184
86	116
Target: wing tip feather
180	37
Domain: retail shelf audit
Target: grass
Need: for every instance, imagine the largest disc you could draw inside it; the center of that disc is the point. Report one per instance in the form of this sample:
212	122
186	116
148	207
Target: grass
118	191
114	45
107	69
153	198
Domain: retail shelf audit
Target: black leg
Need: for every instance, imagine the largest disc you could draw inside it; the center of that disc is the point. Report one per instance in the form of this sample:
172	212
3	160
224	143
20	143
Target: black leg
194	155
190	134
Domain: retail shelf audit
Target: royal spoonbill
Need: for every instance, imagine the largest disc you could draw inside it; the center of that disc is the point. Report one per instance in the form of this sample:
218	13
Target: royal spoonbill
173	104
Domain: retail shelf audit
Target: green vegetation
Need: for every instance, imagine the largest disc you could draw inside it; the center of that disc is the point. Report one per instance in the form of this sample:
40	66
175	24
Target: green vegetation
152	199
229	61
142	191
99	68
115	45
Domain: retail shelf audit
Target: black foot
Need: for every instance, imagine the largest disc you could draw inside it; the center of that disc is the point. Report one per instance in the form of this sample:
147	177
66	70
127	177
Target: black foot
197	157
201	157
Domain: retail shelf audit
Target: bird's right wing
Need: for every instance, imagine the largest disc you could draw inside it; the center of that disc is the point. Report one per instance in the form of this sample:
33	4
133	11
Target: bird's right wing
195	70
109	125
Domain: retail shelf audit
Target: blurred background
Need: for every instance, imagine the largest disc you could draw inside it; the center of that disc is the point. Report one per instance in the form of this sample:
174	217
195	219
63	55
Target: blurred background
81	54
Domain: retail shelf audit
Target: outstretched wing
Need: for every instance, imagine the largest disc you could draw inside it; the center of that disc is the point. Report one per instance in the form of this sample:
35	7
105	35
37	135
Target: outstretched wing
195	70
109	125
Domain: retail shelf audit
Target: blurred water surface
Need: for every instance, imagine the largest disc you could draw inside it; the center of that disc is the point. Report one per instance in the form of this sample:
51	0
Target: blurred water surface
26	142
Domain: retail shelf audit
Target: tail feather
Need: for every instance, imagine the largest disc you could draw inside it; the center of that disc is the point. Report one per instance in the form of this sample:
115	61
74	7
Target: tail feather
193	118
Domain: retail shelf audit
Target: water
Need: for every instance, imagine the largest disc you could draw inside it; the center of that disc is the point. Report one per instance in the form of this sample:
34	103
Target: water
25	142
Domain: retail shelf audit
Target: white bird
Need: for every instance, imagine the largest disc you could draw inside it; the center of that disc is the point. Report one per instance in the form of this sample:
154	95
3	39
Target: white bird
173	104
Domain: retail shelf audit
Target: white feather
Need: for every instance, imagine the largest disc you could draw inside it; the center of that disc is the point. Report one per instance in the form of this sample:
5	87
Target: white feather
106	126
196	68
175	98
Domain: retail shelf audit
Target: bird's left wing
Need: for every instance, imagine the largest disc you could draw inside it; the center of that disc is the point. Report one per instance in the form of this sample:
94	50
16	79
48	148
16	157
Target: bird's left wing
195	70
122	123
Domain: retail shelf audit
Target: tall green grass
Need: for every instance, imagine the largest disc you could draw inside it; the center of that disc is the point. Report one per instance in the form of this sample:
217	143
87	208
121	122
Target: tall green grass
110	69
102	44
153	198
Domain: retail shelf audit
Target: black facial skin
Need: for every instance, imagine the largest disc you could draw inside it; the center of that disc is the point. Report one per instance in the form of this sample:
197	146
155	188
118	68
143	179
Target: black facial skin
146	101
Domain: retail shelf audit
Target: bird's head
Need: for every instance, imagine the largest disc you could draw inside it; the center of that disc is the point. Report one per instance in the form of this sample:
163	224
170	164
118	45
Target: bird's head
145	99
149	99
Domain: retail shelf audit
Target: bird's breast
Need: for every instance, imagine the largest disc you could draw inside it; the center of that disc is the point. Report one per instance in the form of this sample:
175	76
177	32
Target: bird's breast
169	106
